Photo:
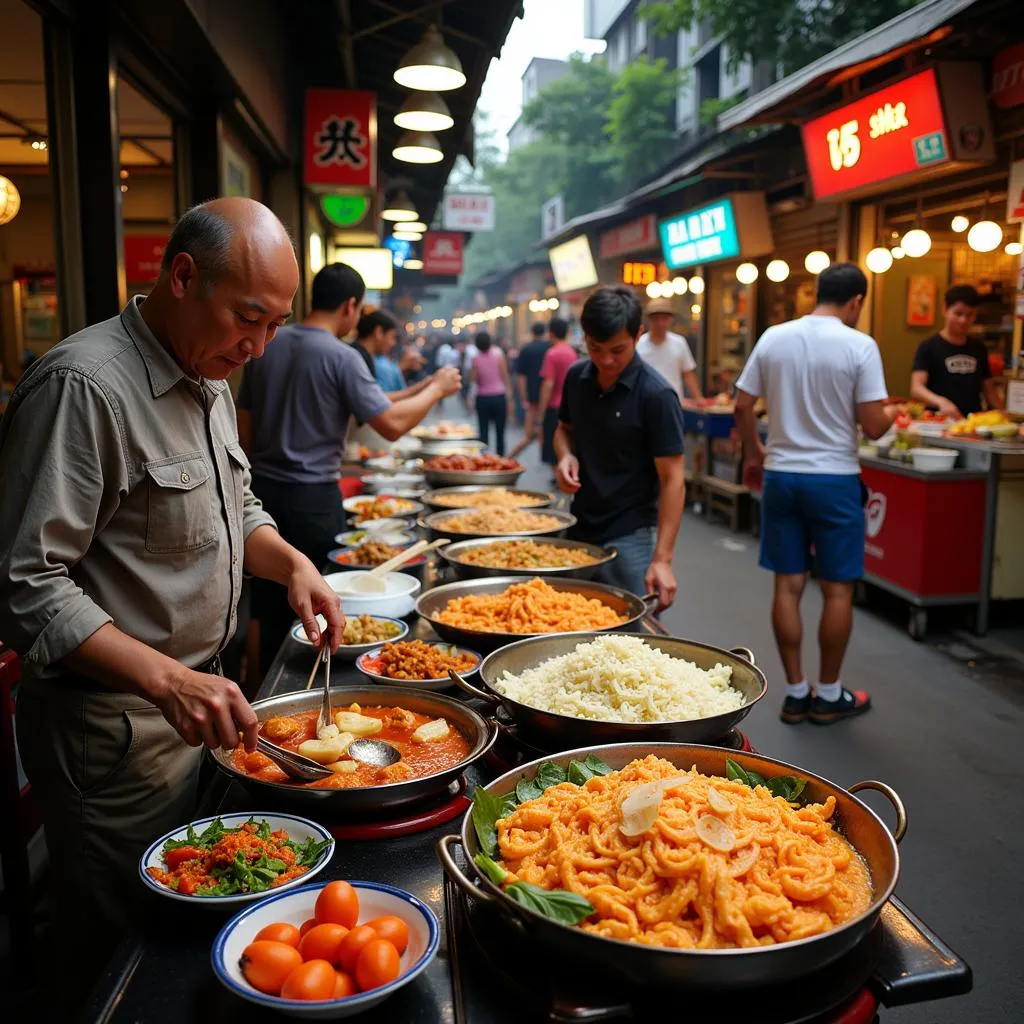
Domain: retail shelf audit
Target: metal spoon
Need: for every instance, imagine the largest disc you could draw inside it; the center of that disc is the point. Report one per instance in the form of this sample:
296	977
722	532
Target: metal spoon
295	766
377	753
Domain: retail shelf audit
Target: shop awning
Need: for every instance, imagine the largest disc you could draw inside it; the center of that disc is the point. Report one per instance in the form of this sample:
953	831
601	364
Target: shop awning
772	104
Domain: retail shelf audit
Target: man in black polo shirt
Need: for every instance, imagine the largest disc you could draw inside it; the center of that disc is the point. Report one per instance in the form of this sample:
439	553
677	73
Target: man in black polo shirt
619	446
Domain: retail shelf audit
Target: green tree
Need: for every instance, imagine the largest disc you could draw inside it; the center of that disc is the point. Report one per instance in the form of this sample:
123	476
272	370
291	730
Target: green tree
788	33
640	122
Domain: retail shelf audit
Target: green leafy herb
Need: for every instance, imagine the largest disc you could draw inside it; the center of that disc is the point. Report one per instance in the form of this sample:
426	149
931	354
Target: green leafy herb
789	787
205	840
487	809
581	771
309	852
557	904
263	829
527	789
550	774
493	870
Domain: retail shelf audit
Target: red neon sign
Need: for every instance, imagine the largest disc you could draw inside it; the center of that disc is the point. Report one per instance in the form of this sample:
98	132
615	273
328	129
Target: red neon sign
889	133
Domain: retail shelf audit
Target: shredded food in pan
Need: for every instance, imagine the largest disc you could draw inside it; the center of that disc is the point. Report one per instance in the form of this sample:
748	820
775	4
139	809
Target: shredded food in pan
501	520
532	607
492	496
416	660
527	554
686	861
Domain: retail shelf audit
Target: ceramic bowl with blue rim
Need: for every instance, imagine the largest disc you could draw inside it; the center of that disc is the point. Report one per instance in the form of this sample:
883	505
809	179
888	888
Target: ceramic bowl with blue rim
297	906
300	831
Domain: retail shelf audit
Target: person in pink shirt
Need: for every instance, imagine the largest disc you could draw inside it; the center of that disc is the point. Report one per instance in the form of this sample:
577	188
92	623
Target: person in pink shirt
560	356
493	390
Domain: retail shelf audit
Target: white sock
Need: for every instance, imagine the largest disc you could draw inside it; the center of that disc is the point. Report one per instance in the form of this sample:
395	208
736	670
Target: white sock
829	691
798	690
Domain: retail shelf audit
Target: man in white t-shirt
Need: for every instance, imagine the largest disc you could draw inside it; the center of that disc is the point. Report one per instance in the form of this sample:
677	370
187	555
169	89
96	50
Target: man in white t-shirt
819	378
666	352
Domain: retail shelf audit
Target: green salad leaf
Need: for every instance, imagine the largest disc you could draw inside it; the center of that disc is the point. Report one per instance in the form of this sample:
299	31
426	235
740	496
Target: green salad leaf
789	787
557	904
205	840
492	869
309	852
528	789
487	809
550	774
581	771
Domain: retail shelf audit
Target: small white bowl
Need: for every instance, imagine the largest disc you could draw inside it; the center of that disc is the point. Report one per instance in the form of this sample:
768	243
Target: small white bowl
352	505
929	429
298	829
353	538
349	652
934	460
375	900
398	602
379	526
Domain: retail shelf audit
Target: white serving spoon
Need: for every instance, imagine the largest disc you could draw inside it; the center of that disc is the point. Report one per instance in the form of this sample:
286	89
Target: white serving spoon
375	581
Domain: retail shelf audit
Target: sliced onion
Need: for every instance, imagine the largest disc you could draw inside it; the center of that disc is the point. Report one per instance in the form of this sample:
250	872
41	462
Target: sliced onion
719	802
745	860
328	732
715	833
639	810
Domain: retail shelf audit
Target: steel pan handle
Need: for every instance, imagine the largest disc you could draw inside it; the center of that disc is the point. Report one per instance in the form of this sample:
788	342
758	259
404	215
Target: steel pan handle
743	652
650	602
893	797
472	690
454	872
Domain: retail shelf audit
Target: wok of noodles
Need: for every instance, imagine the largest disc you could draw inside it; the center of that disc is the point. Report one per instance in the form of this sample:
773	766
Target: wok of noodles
683	860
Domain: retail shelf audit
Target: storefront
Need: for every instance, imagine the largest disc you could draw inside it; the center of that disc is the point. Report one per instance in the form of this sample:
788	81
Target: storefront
575	273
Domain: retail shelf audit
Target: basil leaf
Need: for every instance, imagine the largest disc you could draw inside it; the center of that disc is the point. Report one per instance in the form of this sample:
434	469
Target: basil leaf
310	851
579	773
487	809
550	774
263	831
755	779
494	871
558	904
736	772
527	789
596	766
789	787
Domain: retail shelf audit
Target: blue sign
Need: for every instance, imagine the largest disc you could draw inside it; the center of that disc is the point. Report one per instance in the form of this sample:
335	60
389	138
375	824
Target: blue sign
401	250
930	148
700	236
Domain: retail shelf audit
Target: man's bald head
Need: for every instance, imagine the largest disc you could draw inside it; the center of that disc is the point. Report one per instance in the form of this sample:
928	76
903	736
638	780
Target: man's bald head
228	278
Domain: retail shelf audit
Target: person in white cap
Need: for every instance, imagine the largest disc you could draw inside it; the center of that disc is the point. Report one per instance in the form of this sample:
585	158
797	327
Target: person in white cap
667	352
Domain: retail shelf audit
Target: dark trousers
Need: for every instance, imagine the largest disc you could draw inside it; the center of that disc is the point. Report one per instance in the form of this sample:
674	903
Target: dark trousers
492	409
547	451
308	516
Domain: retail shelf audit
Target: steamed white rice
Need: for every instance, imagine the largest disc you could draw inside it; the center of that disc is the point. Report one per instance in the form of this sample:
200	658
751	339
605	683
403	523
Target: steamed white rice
622	679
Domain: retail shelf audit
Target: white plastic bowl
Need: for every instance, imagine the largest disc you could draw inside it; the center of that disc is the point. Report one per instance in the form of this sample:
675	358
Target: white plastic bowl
298	829
933	460
928	429
398	602
375	900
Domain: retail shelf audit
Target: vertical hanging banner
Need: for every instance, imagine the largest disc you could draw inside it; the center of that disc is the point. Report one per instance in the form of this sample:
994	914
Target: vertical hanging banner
340	141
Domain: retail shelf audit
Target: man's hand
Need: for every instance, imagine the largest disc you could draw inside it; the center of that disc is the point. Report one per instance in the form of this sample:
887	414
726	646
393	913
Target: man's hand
661	580
449	380
948	408
411	359
310	595
567	474
207	709
753	467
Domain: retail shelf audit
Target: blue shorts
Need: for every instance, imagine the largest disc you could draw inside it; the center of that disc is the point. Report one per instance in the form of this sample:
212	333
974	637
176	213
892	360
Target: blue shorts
801	511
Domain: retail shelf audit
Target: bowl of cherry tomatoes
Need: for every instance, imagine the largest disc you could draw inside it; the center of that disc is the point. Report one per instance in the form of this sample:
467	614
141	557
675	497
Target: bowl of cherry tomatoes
324	952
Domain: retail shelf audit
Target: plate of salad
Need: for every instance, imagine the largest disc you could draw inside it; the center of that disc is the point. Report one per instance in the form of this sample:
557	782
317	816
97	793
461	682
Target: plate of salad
232	859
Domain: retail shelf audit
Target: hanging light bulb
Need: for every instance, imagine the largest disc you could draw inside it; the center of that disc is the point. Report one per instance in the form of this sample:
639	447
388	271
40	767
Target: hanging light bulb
985	236
400	208
424	112
430	66
777	271
746	273
418	148
10	200
697	285
407	236
412	225
916	243
653	290
667	289
1014	248
897	252
879	260
816	261
679	286
413	264
960	223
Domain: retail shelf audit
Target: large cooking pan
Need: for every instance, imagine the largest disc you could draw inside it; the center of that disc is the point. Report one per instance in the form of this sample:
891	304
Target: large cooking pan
635	965
454	554
549	731
480	733
433	601
436	525
435	500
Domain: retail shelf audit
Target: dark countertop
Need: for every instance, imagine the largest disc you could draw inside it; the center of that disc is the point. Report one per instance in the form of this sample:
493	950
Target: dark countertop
907	469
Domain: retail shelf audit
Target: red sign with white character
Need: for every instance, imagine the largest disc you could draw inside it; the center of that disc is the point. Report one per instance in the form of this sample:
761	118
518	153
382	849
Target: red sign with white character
1008	77
442	253
636	236
142	257
340	137
895	131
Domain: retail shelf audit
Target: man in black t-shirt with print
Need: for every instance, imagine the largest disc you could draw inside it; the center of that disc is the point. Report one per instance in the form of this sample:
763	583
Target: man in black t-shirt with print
951	370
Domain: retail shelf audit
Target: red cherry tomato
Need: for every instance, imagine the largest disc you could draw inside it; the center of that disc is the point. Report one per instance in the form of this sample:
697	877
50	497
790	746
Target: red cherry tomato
392	929
280	932
266	965
344	985
322	942
313	981
352	945
337	903
306	925
378	964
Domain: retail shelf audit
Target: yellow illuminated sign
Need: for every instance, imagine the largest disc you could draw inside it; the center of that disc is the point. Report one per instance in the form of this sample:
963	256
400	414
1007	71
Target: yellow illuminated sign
639	274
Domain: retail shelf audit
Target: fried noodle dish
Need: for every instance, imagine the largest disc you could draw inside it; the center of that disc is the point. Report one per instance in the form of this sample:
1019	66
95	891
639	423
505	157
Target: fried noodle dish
416	660
501	520
532	607
491	496
527	554
687	861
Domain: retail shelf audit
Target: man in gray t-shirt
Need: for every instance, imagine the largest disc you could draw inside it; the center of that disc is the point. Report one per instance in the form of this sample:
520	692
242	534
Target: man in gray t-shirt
294	408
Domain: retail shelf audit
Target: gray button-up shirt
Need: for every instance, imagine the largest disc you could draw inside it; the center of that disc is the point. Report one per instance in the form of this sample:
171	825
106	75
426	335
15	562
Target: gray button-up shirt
124	498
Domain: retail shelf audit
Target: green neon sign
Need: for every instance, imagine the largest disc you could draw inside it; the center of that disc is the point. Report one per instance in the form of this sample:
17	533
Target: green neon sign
344	211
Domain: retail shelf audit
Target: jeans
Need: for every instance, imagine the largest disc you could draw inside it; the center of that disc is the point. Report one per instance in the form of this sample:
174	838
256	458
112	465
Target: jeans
635	553
492	409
